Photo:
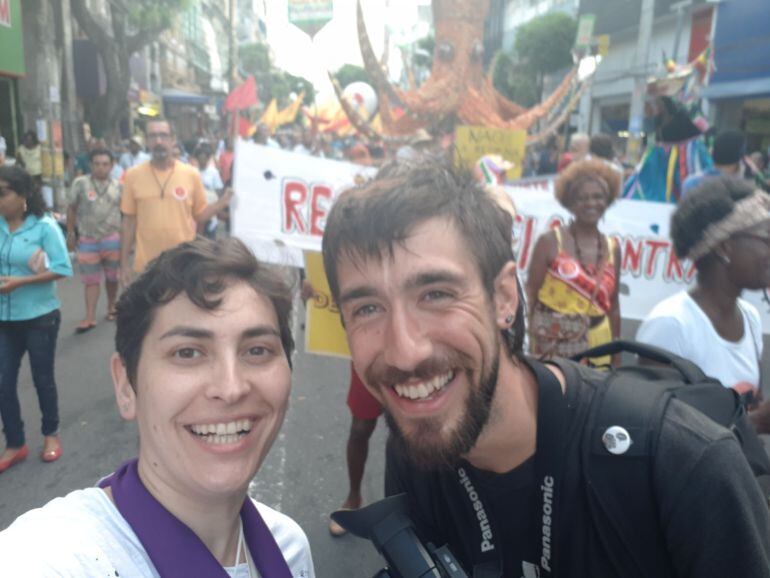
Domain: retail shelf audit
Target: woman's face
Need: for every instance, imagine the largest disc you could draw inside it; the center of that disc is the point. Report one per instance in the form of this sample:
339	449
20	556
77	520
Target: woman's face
749	255
11	203
589	203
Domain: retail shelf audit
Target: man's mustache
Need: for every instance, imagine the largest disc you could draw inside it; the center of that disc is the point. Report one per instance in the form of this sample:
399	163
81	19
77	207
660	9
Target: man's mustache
386	375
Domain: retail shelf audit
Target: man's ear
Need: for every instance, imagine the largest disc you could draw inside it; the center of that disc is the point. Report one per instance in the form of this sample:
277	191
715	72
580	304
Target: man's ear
125	396
506	296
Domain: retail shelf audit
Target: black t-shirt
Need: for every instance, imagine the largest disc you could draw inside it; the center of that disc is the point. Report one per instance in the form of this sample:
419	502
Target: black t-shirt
713	520
515	498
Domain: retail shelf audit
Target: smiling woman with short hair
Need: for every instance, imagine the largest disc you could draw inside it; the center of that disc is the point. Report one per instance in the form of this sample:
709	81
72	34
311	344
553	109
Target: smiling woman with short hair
203	366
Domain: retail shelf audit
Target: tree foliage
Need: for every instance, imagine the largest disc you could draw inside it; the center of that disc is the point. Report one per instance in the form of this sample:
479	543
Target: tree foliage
272	82
517	82
544	45
423	54
116	42
349	73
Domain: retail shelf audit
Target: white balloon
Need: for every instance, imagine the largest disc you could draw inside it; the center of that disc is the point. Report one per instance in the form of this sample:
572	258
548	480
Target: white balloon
361	95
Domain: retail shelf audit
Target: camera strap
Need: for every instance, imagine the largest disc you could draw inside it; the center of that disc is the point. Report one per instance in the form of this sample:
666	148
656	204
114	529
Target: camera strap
552	421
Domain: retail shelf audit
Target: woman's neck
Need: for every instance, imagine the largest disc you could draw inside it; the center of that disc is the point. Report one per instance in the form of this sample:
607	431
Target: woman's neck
578	228
216	524
715	291
15	221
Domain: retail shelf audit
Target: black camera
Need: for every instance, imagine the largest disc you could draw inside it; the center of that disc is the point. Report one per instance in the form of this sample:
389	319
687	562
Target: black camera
387	524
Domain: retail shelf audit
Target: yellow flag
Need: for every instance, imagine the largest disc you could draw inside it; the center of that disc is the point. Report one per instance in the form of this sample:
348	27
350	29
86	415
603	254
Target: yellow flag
288	114
270	116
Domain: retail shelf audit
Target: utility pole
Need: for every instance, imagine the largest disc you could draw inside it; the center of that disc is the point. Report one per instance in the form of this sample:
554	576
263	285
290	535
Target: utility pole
232	47
72	128
636	114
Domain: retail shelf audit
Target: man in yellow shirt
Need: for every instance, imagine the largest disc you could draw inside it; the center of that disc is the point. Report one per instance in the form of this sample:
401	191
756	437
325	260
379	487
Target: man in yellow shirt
163	201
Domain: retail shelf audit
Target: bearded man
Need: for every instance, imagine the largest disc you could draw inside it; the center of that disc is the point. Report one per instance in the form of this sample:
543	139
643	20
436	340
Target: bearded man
488	443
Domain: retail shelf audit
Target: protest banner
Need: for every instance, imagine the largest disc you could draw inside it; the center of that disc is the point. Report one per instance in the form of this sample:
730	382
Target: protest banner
473	142
324	333
284	197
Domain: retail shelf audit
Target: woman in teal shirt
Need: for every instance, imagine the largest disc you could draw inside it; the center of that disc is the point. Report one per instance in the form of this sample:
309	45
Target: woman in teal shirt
33	255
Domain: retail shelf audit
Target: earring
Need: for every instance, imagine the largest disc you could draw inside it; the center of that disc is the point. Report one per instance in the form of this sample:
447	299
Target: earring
509	319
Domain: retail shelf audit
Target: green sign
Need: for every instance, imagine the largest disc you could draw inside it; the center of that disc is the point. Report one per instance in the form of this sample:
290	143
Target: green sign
11	45
310	15
585	31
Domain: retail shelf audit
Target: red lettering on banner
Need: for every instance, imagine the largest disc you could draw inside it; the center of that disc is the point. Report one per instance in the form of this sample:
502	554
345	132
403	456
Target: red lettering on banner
5	13
294	206
319	209
675	271
655	249
523	244
632	256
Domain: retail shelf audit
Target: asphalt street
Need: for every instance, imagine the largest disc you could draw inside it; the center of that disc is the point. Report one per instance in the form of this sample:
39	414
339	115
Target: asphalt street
304	476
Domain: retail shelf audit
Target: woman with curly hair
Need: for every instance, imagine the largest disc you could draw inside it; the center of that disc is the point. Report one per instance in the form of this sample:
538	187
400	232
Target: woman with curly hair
33	255
572	285
723	226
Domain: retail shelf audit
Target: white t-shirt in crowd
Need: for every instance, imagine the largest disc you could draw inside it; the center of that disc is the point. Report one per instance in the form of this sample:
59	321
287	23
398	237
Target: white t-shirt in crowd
679	325
83	534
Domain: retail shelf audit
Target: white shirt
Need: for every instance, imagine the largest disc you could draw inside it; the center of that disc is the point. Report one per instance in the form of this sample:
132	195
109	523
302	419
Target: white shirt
211	179
679	325
83	534
127	160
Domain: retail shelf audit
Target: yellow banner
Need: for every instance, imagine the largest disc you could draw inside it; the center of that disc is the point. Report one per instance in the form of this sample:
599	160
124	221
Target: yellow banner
473	142
324	334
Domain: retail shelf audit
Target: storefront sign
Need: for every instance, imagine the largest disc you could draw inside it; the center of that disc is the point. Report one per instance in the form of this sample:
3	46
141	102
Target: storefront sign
310	15
11	44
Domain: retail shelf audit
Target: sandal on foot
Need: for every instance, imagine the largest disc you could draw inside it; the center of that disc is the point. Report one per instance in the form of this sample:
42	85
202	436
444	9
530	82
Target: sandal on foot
335	529
84	327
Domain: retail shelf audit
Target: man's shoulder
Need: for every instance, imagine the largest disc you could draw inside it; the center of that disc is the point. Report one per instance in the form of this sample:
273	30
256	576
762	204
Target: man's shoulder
80	183
137	171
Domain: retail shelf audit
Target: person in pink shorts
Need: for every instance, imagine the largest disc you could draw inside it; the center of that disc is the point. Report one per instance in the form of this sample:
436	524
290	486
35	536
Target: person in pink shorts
93	226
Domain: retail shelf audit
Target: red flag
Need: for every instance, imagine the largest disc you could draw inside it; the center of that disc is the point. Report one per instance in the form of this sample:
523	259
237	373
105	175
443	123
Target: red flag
242	96
244	127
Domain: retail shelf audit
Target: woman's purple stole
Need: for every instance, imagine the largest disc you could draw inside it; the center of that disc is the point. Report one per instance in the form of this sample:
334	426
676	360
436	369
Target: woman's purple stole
174	549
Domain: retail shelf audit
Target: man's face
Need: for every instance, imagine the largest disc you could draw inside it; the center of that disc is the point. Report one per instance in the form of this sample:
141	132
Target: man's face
101	165
423	335
212	388
134	147
160	140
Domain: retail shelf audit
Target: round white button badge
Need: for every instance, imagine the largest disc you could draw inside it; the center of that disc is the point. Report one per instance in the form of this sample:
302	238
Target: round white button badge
617	440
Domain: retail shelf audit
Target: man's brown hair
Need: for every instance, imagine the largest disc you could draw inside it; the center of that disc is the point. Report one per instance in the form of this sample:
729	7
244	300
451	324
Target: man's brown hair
368	220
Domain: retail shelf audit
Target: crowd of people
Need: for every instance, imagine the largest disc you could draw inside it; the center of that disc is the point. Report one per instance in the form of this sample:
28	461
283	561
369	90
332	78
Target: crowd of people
488	419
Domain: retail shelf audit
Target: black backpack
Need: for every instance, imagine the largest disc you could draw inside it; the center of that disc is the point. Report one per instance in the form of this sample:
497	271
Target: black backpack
635	398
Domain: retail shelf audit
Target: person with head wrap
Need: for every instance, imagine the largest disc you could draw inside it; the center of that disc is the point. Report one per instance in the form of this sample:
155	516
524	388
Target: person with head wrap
724	228
572	285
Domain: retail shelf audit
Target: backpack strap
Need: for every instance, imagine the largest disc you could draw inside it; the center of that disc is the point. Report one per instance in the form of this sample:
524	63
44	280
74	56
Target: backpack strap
620	485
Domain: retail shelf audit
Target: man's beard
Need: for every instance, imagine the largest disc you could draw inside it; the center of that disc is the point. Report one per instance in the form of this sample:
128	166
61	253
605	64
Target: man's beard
160	153
447	452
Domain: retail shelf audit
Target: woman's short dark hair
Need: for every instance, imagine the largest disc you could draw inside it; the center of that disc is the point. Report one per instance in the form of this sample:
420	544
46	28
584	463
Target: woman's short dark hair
201	269
369	219
709	202
20	181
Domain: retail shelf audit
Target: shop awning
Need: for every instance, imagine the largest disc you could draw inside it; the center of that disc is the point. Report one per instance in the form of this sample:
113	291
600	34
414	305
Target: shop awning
741	45
754	88
177	96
